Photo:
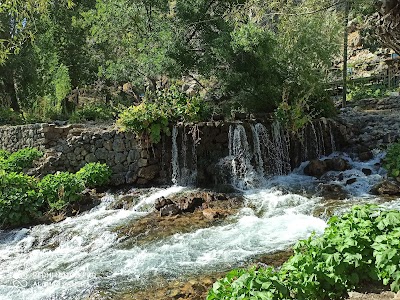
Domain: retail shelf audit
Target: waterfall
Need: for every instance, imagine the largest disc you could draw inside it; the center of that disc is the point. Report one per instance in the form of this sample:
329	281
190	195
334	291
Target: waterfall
243	175
304	143
279	151
321	138
175	157
315	140
270	152
333	145
185	173
259	132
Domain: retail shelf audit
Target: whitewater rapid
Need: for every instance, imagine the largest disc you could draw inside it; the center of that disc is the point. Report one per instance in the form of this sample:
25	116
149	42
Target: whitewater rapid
71	259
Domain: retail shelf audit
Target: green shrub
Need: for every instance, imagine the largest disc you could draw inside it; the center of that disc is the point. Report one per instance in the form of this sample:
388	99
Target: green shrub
4	154
361	246
152	116
93	112
19	160
10	117
361	91
392	160
61	189
387	251
20	202
94	174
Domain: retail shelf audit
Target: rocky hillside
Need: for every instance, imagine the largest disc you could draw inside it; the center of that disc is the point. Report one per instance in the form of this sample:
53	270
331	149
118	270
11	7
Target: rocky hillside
372	123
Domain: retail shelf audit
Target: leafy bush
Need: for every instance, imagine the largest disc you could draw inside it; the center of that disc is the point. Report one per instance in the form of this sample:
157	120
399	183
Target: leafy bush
361	246
358	92
19	160
4	154
61	189
392	160
62	83
94	174
20	201
10	117
93	112
152	116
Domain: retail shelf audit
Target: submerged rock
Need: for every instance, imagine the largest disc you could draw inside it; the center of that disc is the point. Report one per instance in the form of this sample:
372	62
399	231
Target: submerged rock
332	192
166	222
161	202
338	164
212	214
386	187
186	203
351	181
367	171
169	210
189	204
365	156
316	168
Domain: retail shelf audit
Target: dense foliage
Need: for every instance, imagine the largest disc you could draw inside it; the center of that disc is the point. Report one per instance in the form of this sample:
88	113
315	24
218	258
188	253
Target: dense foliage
61	189
93	112
361	246
242	54
151	118
20	200
24	198
392	160
94	174
17	161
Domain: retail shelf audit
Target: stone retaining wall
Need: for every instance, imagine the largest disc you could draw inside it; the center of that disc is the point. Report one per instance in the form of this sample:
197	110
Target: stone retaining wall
13	138
199	149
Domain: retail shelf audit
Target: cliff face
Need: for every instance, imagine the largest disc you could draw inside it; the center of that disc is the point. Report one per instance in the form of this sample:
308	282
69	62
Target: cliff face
387	22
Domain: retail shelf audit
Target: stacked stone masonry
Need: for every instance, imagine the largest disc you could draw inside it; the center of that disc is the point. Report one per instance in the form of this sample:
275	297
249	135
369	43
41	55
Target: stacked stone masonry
132	161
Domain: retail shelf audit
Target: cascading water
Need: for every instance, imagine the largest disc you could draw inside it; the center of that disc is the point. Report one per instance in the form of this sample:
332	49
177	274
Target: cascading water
333	144
279	148
175	156
68	260
270	154
184	173
243	174
259	132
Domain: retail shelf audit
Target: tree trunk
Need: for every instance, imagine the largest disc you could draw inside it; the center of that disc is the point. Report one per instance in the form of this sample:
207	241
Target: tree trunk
9	86
345	44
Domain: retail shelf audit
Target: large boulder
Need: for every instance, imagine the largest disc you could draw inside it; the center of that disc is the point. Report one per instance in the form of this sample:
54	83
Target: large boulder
316	168
332	192
189	204
338	164
386	187
169	210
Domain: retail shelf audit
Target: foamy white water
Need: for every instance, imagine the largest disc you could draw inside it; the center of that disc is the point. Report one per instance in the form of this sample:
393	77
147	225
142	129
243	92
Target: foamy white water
70	259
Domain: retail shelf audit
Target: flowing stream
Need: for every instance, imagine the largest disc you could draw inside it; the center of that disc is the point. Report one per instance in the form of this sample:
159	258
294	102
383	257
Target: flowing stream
73	258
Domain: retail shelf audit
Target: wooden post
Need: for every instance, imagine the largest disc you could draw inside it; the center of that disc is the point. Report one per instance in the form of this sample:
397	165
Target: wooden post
345	44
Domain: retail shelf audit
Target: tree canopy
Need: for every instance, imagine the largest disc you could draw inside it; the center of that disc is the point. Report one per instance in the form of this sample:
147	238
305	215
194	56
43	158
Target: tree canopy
250	55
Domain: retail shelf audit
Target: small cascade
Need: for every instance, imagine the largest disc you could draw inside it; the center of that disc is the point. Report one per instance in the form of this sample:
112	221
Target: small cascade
184	165
243	175
279	151
175	156
259	131
321	139
270	155
333	144
315	140
195	133
303	139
